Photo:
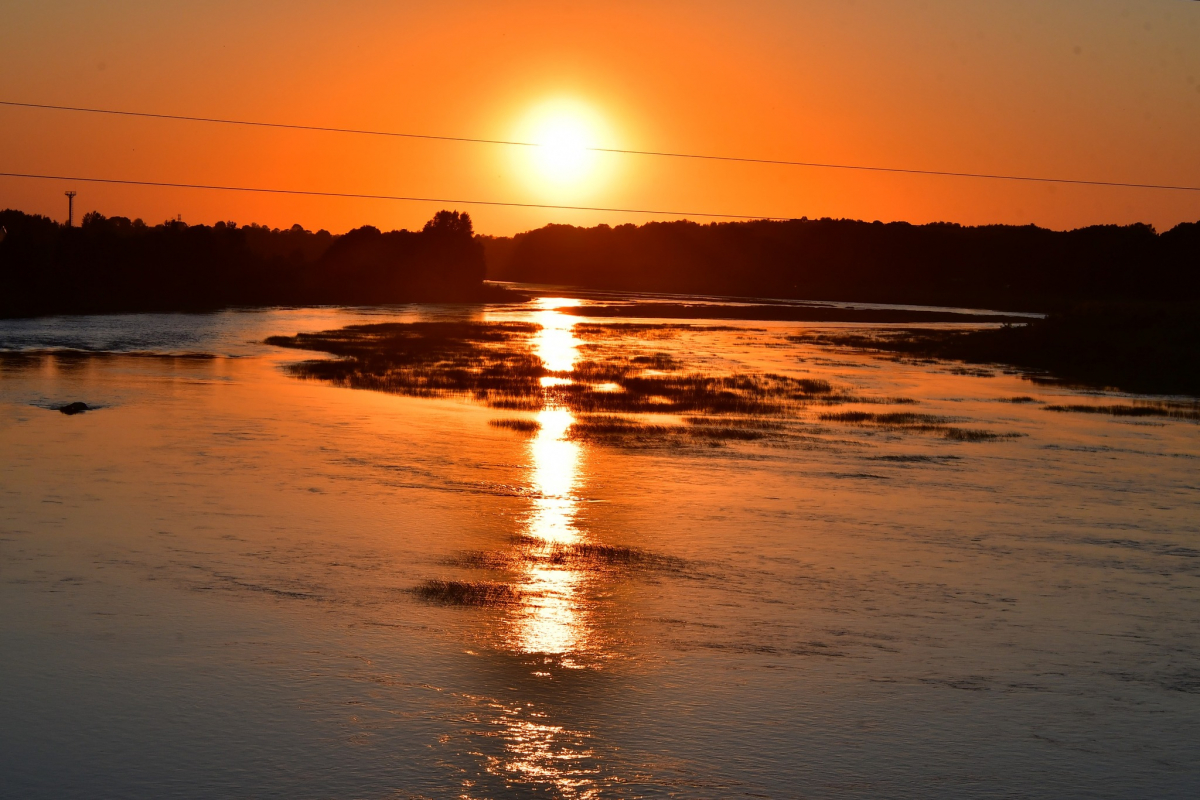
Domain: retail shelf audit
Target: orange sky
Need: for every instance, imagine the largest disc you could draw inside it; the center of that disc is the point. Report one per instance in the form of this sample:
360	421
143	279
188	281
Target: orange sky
1073	88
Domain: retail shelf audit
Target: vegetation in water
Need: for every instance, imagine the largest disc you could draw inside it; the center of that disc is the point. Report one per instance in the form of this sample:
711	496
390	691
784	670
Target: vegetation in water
468	593
1172	410
922	423
619	394
1147	348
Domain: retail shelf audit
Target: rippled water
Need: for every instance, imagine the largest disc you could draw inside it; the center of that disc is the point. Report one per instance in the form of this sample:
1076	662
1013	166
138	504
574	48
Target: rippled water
206	583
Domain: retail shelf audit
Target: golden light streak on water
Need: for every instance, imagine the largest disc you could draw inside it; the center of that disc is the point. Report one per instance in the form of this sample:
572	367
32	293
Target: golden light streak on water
556	344
551	620
541	753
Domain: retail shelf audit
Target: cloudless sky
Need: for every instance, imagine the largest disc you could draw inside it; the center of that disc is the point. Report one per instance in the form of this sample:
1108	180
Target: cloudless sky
1092	89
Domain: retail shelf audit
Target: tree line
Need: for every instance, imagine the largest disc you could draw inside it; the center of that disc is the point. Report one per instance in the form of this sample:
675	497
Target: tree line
992	266
113	264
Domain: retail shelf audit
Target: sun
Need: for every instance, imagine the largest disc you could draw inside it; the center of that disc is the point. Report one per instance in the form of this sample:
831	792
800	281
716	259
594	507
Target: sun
561	160
562	155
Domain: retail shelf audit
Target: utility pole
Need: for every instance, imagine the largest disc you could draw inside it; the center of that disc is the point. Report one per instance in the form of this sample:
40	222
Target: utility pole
70	208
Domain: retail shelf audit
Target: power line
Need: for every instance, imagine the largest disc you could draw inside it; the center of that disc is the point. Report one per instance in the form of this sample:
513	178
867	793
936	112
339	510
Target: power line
253	124
354	195
617	150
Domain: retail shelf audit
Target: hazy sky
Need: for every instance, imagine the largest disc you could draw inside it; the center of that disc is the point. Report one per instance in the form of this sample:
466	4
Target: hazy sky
1092	89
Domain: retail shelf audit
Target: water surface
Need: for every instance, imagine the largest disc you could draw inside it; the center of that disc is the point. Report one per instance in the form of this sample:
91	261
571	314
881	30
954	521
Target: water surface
206	584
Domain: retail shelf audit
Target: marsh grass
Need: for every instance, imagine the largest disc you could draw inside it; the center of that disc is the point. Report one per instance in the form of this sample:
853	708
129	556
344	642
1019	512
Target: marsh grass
468	593
602	554
679	394
495	364
882	401
659	361
528	551
520	425
1173	410
754	423
918	423
915	459
704	431
590	331
1135	346
975	435
610	393
616	429
490	361
904	419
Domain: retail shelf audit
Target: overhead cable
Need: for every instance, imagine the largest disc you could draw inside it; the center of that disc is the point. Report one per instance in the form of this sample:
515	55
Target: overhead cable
619	151
356	195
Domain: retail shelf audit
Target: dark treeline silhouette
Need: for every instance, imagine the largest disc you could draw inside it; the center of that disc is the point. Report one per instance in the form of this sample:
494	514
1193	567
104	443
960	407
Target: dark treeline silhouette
994	266
115	265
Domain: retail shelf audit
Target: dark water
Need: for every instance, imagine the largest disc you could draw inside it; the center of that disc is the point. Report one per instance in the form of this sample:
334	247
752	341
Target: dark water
206	584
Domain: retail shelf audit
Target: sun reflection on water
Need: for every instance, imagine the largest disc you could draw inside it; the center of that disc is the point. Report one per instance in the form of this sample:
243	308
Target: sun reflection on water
556	344
551	624
550	621
544	753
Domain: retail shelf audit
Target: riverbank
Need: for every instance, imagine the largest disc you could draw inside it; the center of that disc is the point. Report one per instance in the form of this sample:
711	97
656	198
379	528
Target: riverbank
1151	348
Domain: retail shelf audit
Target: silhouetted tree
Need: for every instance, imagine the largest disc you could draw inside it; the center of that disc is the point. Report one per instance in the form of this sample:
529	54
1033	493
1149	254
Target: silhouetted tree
110	264
450	223
997	266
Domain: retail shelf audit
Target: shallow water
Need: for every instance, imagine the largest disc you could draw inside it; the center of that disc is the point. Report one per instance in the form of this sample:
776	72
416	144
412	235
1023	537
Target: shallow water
207	582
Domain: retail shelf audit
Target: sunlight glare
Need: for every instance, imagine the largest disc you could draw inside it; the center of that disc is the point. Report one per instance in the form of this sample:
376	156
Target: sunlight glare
551	618
556	343
563	131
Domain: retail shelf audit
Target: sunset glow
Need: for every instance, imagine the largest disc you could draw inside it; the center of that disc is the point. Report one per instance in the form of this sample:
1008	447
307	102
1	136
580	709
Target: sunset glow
1076	88
561	163
600	400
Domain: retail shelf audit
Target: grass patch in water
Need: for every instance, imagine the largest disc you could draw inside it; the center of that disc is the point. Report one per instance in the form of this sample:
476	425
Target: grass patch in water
590	331
899	419
708	431
490	361
724	434
659	361
1134	346
918	423
975	435
754	423
530	551
468	593
608	393
1172	410
521	425
683	393
920	459
604	427
495	363
591	555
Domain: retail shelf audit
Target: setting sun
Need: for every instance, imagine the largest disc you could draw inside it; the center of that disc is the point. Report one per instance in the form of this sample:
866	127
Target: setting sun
564	131
599	400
